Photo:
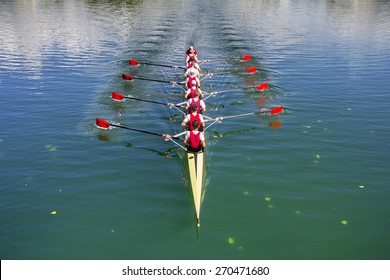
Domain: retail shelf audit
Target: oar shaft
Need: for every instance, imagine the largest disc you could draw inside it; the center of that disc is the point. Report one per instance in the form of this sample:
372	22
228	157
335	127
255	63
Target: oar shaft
142	131
152	80
144	100
272	111
162	65
241	115
135	129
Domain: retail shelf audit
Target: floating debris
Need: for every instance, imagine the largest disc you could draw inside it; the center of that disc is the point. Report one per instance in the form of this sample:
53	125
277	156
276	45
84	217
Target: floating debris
267	198
53	212
361	187
231	240
344	222
51	148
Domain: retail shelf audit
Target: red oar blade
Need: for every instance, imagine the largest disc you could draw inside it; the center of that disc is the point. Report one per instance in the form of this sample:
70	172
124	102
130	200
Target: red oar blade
133	62
276	110
262	86
100	123
117	96
127	77
246	57
251	70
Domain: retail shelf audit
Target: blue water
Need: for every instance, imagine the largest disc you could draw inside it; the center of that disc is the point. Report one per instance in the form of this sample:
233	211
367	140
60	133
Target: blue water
315	188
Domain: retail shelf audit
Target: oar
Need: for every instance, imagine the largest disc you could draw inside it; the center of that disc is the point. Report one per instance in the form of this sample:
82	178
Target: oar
100	123
250	70
129	78
120	97
272	111
242	58
260	87
134	62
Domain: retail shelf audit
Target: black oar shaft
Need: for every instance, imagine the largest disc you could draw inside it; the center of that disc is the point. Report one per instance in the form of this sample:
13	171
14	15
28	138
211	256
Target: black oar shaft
140	130
144	100
153	80
162	65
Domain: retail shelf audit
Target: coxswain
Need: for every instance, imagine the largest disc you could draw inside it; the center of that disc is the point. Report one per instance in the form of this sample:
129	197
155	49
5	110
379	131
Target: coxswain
193	116
191	52
194	139
191	91
201	106
192	77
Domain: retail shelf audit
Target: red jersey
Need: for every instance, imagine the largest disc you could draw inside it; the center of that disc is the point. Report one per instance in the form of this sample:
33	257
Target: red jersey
190	79
192	91
192	119
194	141
197	102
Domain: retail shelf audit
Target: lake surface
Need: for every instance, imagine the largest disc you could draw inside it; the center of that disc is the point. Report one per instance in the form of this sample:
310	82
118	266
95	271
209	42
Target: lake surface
315	188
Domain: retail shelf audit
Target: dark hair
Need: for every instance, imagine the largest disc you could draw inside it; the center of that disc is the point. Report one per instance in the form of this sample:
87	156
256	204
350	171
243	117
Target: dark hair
194	107
195	124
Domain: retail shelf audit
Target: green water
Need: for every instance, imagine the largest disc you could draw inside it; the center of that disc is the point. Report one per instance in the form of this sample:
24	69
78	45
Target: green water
316	188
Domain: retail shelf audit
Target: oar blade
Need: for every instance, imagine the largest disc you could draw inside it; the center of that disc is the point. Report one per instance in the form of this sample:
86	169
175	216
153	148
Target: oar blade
100	123
117	96
276	110
133	62
127	77
262	86
246	57
251	70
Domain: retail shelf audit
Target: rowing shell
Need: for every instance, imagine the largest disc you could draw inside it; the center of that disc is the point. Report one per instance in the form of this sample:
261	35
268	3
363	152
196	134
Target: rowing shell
196	172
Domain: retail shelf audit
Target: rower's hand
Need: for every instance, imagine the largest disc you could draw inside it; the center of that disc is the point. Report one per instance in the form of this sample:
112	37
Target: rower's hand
173	83
166	137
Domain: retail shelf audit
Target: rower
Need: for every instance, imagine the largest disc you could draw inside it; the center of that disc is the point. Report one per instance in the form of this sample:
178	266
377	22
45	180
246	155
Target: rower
201	106
193	63
194	139
193	116
194	67
191	78
191	92
191	52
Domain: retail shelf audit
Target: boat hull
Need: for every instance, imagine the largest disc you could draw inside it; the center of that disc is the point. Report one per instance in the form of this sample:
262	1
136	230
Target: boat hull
196	174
